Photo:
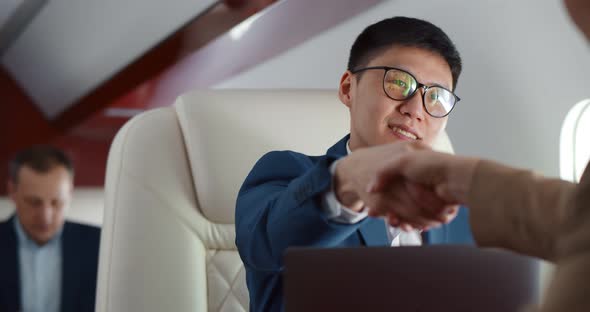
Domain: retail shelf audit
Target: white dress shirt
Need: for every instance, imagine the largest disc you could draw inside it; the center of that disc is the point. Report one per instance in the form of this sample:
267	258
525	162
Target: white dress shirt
336	212
39	271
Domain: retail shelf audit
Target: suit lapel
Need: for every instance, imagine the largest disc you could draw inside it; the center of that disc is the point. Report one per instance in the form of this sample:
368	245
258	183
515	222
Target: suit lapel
338	150
9	268
68	269
426	237
374	232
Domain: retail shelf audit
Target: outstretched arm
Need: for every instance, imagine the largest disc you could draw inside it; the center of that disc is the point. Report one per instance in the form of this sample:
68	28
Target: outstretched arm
509	208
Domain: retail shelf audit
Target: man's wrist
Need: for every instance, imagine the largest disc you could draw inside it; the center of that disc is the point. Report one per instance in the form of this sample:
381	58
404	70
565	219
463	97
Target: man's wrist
343	186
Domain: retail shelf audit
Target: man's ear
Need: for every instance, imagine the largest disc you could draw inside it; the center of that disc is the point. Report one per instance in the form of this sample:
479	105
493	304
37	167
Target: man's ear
345	89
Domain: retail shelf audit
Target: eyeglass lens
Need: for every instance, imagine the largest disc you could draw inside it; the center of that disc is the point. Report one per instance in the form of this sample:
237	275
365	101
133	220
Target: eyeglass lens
400	85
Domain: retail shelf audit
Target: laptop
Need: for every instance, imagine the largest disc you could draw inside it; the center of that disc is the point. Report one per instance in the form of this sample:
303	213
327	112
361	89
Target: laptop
423	278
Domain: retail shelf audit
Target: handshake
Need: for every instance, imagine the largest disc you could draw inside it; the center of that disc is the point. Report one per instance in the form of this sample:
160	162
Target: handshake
408	183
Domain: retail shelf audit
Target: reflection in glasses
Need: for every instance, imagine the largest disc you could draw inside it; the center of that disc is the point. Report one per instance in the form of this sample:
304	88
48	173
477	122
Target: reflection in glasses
400	85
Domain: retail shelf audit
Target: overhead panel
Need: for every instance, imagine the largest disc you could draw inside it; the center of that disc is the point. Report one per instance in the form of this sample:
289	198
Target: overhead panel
72	46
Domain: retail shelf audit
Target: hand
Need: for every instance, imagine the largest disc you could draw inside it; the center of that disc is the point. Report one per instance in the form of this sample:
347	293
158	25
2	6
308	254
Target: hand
426	204
442	176
399	201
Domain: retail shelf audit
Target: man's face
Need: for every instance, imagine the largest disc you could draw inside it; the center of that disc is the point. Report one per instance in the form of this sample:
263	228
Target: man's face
41	200
377	119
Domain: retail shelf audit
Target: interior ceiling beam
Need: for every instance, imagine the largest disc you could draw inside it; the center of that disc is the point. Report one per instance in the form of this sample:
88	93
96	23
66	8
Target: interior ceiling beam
188	38
18	21
177	67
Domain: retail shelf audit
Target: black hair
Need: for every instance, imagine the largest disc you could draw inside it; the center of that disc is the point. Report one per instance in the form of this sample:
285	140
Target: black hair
403	31
40	158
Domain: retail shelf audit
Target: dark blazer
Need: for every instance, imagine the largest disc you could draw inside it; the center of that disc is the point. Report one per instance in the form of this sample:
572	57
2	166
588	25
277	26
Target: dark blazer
79	267
278	206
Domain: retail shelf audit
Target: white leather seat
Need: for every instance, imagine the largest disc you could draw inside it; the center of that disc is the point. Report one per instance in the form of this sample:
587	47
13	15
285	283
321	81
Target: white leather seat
173	175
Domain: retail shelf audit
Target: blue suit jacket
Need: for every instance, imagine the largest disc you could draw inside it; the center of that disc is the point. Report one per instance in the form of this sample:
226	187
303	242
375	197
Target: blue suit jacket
79	267
278	206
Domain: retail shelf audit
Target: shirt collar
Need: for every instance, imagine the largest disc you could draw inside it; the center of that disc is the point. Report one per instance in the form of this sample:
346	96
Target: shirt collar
24	239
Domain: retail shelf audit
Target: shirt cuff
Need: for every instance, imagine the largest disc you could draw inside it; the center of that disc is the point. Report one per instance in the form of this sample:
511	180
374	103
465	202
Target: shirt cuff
335	211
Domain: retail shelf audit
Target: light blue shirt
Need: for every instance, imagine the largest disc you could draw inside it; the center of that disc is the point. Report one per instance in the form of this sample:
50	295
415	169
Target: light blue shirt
40	272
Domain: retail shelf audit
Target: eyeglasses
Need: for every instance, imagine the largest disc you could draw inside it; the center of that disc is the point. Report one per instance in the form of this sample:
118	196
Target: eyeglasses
400	85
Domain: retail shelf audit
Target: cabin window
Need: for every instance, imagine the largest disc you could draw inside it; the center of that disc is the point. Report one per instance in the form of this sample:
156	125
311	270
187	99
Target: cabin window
575	142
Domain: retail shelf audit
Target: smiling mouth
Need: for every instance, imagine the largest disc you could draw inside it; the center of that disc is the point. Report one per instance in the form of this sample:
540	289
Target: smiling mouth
404	133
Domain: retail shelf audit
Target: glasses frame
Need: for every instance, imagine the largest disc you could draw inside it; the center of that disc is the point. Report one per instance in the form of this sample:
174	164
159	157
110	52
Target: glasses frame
419	85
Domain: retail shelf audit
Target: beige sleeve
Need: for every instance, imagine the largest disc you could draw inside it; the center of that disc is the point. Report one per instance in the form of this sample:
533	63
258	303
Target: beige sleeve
570	286
516	209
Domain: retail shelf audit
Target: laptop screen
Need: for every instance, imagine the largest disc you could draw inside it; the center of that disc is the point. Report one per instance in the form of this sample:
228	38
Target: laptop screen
428	278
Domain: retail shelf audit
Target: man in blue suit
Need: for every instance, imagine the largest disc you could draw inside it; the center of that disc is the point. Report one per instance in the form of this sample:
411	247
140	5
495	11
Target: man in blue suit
46	264
399	90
